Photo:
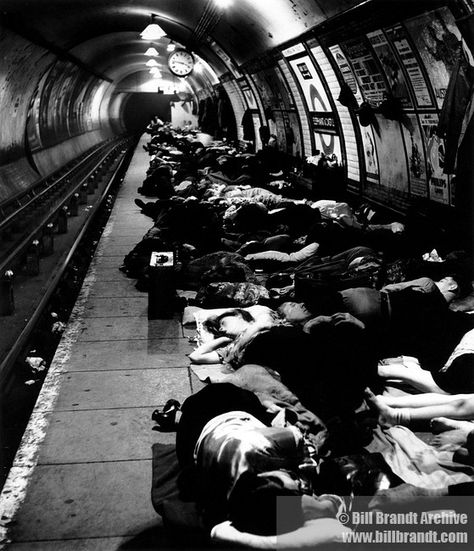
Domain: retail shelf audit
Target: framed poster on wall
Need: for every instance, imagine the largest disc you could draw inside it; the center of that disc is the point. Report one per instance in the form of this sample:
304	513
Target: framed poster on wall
438	181
421	90
369	77
392	69
437	41
416	156
392	156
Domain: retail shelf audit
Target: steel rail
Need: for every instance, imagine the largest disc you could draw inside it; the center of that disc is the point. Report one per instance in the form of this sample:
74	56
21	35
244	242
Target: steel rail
25	241
10	218
8	362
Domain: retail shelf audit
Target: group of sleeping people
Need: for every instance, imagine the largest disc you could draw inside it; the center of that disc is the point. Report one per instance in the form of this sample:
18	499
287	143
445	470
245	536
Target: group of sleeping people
329	351
251	466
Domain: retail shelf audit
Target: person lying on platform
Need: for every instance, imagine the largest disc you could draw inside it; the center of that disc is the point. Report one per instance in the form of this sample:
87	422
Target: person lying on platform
326	366
236	465
411	318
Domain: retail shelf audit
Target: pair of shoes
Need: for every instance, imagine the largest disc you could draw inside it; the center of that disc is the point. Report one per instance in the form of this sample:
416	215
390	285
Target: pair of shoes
141	204
166	419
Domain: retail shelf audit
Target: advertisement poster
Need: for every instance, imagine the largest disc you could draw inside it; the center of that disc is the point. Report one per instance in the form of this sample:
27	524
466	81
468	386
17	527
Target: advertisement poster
416	157
280	131
286	97
346	70
296	146
393	71
265	92
434	146
438	46
248	94
370	154
399	39
391	156
313	90
369	77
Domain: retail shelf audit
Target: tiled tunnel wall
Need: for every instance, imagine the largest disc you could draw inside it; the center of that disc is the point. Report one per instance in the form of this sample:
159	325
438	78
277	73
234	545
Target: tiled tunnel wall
52	110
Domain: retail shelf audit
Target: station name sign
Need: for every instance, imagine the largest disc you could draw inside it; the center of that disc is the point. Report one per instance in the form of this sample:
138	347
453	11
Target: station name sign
324	122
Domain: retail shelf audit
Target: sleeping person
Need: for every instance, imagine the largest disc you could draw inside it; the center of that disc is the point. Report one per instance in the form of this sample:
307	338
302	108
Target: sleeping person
239	465
327	367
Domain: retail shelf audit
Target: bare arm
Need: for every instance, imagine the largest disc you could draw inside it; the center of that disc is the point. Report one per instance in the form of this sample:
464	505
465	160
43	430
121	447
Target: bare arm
423	284
206	353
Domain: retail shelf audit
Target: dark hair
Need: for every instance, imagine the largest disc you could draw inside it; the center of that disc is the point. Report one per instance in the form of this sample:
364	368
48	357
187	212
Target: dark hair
213	324
255	505
463	281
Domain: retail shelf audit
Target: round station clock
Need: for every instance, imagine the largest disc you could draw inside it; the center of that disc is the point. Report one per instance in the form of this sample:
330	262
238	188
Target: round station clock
181	62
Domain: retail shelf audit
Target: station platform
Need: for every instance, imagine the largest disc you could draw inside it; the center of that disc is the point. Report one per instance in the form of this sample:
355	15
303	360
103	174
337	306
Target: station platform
81	479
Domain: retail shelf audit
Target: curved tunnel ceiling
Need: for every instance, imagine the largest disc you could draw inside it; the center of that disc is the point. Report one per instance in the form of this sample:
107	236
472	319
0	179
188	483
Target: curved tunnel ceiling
104	34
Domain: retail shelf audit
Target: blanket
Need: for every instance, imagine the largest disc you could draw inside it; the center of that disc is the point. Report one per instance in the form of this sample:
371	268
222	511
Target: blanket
418	463
271	392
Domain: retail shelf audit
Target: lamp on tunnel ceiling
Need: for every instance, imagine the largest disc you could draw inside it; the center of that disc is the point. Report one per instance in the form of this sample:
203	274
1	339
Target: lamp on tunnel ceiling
152	63
223	3
152	52
171	47
153	31
155	72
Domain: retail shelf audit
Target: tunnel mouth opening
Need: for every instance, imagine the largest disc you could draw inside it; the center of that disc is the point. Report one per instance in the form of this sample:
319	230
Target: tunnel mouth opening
140	107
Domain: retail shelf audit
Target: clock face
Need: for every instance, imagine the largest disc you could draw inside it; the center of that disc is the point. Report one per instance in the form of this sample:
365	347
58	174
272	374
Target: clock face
181	63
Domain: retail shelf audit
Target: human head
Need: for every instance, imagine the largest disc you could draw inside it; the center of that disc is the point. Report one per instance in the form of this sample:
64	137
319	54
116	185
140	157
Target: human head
294	312
254	505
449	287
230	323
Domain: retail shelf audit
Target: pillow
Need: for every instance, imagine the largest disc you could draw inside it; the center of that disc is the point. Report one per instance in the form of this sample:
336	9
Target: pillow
263	316
189	315
277	256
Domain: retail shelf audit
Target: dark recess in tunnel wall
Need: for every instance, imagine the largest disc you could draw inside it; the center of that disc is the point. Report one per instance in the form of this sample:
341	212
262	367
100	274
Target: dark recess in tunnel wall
141	107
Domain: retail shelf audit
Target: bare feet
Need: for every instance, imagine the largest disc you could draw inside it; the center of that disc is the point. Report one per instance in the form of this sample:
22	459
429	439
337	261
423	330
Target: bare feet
450	439
387	415
443	424
388	367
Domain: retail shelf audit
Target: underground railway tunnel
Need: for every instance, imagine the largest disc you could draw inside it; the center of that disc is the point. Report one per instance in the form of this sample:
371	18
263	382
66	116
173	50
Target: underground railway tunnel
284	133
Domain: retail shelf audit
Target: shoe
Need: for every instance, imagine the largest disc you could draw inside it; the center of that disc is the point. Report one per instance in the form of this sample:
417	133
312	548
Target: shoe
166	419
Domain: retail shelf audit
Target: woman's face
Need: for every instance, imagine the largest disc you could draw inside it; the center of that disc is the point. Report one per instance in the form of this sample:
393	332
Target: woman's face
294	312
233	326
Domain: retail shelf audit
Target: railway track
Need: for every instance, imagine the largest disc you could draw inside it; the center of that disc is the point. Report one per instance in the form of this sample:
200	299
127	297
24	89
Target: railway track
39	239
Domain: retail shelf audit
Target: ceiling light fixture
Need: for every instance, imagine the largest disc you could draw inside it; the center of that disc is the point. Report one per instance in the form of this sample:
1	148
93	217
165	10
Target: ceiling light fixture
151	63
153	31
152	52
223	3
171	47
155	71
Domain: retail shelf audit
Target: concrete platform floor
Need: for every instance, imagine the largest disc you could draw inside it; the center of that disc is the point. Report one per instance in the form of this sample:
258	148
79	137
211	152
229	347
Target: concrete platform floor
82	477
